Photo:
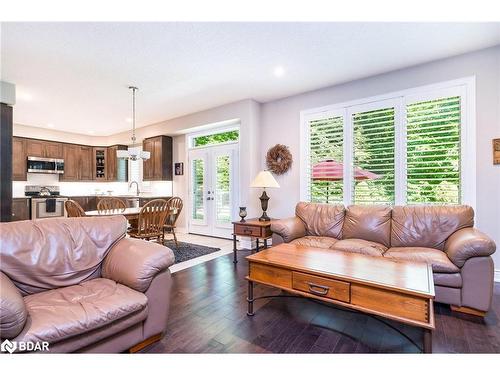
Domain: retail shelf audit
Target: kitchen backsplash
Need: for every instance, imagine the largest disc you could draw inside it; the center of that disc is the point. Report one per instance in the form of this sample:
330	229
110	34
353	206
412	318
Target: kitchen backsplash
89	188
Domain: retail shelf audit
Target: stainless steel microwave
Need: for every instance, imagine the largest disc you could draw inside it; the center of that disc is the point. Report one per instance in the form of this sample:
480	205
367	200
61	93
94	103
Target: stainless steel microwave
45	165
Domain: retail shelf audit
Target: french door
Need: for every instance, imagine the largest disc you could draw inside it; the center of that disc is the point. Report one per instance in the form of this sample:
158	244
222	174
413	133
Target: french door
213	192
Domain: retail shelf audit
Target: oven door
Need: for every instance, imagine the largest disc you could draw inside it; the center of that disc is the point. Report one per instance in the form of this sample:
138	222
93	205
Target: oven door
40	208
44	165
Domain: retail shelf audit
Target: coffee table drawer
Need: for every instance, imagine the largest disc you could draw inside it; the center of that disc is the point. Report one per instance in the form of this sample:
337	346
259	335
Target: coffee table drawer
271	275
247	230
390	302
321	286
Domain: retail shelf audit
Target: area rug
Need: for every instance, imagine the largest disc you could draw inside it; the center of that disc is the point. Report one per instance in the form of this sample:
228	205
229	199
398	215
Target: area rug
186	251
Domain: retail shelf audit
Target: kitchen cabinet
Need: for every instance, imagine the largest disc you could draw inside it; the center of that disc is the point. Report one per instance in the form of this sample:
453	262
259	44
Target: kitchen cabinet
77	163
20	209
88	202
100	164
19	159
44	149
159	166
117	169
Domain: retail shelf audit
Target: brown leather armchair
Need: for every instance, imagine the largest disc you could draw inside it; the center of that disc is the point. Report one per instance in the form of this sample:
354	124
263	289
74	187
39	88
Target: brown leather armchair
442	236
81	286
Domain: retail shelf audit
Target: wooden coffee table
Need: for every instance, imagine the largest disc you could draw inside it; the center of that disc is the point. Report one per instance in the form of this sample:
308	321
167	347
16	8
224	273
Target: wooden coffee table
401	291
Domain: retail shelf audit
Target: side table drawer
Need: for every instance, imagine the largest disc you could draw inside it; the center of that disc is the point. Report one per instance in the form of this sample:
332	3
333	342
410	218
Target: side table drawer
247	230
322	287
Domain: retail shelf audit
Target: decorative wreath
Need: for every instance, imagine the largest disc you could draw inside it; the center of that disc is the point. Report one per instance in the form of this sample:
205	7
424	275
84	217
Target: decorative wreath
279	159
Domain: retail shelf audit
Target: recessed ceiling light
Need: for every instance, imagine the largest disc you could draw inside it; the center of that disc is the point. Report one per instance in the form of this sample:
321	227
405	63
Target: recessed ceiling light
128	119
91	132
279	71
50	125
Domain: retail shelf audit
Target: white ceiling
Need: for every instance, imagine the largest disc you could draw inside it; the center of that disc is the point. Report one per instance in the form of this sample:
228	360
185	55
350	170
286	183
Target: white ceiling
75	75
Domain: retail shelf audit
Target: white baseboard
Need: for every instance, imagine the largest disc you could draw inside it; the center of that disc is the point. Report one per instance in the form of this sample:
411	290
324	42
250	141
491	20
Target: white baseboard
497	276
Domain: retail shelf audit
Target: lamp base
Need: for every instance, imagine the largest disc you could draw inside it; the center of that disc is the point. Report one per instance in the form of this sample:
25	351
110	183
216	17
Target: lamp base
264	217
264	199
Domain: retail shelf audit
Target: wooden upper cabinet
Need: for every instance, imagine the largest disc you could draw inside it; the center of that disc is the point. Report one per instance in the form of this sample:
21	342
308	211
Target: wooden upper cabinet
71	162
117	169
86	164
35	148
53	150
77	163
148	165
44	149
159	165
19	159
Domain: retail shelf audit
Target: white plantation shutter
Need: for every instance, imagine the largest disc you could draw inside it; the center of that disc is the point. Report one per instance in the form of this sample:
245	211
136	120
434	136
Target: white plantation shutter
374	151
325	145
416	147
433	151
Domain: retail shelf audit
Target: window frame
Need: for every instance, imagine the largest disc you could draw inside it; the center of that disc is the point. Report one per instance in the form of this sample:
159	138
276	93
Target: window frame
463	87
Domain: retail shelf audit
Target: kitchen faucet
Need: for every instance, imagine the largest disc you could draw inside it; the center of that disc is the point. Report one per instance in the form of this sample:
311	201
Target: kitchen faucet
136	185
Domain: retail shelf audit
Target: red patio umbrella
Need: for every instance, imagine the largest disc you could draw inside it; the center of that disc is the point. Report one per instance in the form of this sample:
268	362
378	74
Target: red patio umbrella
331	170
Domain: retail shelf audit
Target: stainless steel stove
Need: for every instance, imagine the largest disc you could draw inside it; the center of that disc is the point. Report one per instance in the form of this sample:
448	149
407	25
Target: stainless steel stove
45	201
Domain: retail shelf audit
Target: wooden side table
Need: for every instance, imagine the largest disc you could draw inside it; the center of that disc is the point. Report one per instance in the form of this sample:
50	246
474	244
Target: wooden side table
260	230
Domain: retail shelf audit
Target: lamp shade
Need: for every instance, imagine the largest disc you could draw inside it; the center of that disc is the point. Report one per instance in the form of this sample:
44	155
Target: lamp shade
264	180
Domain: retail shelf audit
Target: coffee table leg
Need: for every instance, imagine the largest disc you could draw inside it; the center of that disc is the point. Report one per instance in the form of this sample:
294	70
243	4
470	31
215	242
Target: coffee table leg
257	245
235	259
250	299
265	243
427	341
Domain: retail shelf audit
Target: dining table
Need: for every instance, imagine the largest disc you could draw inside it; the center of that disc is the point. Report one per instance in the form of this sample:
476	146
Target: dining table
130	213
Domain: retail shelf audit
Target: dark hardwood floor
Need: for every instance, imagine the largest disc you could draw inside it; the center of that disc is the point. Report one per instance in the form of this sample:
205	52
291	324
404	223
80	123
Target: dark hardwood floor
208	315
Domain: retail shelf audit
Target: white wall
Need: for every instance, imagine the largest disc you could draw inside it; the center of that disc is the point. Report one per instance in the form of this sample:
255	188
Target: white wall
280	121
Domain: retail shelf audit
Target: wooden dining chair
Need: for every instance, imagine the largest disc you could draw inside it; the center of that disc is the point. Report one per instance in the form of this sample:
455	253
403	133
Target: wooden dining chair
111	204
151	221
73	209
174	209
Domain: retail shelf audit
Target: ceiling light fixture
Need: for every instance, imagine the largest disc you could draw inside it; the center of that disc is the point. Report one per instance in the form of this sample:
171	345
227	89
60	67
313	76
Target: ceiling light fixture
279	71
134	152
50	125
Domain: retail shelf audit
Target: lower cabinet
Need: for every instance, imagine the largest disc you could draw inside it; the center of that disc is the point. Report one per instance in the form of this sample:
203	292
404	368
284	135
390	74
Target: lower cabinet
88	203
20	209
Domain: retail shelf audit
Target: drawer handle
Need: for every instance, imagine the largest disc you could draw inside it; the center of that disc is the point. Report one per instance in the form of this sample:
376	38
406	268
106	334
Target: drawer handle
313	288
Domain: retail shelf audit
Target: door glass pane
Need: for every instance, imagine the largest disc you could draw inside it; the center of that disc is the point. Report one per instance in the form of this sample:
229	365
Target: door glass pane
326	160
374	144
198	187
222	189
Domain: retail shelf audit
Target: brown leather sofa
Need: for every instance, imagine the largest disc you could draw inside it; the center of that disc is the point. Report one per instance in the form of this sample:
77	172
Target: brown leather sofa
80	285
442	236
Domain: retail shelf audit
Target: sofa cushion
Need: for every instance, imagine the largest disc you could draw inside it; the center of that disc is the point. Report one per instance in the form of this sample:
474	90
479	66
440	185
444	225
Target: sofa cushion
453	280
39	255
315	241
63	313
356	245
371	223
437	258
321	219
428	226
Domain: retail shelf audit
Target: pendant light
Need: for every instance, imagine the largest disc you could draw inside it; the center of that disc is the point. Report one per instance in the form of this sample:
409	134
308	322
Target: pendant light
133	152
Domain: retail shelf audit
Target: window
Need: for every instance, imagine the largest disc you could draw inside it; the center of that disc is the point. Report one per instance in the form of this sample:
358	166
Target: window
215	138
412	147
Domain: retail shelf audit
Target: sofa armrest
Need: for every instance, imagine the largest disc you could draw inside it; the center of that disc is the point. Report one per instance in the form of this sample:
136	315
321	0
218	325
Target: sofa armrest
289	229
135	263
468	243
13	311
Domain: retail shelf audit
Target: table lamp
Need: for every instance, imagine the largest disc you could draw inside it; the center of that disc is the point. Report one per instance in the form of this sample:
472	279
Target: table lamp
264	180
